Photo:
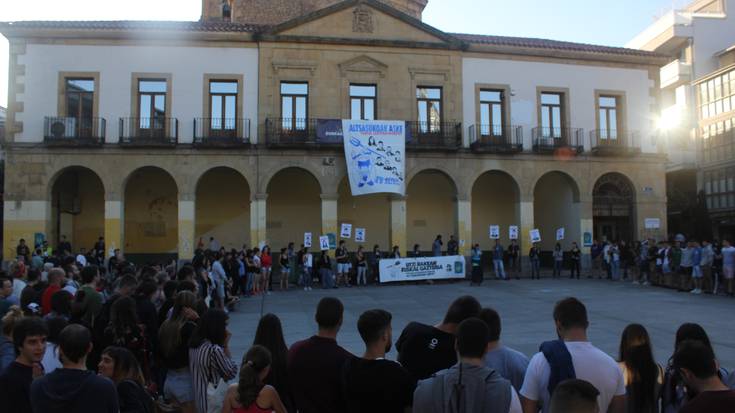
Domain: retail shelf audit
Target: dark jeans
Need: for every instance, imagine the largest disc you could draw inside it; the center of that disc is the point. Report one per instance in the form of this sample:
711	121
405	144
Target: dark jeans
575	268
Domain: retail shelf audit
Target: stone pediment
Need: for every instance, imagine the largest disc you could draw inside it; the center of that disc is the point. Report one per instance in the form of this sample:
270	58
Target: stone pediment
362	21
363	64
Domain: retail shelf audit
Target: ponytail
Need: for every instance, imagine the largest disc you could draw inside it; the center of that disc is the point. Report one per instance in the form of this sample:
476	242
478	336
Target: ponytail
257	359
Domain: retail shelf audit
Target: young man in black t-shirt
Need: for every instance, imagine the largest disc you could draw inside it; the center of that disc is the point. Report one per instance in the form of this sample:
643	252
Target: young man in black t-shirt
423	349
29	339
372	383
697	365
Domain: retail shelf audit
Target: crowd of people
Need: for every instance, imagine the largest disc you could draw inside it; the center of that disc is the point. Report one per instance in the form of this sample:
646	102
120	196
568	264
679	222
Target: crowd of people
85	334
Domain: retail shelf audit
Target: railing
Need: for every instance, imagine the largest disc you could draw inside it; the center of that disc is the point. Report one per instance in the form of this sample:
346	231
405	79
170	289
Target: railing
553	139
675	73
292	133
496	138
74	131
434	136
218	132
149	131
613	142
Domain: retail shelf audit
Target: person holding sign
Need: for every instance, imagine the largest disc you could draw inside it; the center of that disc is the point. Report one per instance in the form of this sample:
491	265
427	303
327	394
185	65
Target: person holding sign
361	266
558	259
477	275
534	255
343	265
576	255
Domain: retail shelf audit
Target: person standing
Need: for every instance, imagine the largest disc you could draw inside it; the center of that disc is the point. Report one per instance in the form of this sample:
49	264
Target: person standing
315	364
343	264
395	252
416	252
285	265
476	260
375	264
558	256
6	290
269	334
436	247
498	267
514	255
361	262
64	246
92	302
22	250
373	383
306	263
596	255
452	246
686	265
643	376
325	270
250	392
728	265
696	267
534	256
99	251
509	363
220	279
29	340
576	256
698	367
615	261
266	261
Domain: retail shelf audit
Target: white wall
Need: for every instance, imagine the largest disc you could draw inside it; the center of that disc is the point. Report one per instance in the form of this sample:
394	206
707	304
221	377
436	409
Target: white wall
116	64
712	35
582	81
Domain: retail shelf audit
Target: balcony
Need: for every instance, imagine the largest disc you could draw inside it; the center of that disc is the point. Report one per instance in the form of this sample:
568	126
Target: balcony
557	140
149	132
73	131
433	136
611	142
496	139
302	133
221	133
675	74
667	35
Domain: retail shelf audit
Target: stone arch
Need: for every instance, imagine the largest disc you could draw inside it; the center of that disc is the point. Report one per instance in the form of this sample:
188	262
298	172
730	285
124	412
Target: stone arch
293	206
150	214
556	204
267	175
458	188
613	207
496	197
77	195
371	212
222	207
431	207
572	182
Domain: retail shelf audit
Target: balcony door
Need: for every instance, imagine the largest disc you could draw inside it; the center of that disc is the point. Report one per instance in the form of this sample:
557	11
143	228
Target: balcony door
152	108
552	115
429	100
492	113
223	108
294	106
79	107
608	118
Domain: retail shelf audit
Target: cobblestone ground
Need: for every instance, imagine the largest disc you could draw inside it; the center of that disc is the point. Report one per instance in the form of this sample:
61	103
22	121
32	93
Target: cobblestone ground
525	307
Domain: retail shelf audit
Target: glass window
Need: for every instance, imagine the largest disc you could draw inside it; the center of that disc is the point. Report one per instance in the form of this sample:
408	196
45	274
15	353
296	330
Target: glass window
288	88
294	105
155	86
219	86
79	96
551	115
429	109
492	112
223	104
152	104
362	101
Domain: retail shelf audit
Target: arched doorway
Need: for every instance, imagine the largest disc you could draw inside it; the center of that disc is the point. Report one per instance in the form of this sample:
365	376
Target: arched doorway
293	208
614	208
556	205
151	215
77	208
431	209
495	201
371	212
223	208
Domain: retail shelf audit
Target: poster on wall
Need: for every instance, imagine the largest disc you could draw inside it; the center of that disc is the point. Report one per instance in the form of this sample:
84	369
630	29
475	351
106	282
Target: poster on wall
307	239
422	268
324	243
587	240
560	234
494	231
652	223
346	231
513	232
359	234
535	235
375	156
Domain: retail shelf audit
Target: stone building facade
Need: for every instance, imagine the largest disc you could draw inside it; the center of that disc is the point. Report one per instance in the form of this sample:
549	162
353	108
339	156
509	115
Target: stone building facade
506	131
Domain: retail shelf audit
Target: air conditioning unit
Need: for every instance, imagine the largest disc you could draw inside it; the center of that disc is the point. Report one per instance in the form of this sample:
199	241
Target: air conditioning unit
64	128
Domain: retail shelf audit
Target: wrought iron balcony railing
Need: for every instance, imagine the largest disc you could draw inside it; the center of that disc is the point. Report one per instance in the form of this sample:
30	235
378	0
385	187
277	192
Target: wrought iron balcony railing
446	136
219	132
551	140
158	131
613	142
74	131
496	138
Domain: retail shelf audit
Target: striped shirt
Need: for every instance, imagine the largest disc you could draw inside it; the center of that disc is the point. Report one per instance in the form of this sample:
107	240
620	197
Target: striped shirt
208	363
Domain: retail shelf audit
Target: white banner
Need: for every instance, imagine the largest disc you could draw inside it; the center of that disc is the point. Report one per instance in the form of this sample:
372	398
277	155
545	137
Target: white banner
346	231
652	223
307	239
423	268
513	232
375	152
359	234
494	231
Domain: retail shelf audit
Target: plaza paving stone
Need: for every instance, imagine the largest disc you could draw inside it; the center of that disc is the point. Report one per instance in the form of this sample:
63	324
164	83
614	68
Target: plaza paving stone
525	307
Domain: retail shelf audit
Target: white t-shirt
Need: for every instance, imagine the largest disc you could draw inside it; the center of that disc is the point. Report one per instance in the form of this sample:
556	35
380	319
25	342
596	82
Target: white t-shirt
590	364
515	402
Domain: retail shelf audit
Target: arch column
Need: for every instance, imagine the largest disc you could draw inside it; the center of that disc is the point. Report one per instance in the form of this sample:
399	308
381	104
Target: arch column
525	212
258	222
586	225
186	224
329	215
464	223
114	224
398	223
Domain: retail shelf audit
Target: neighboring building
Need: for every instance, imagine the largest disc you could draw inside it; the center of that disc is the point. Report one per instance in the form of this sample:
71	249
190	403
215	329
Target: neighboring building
162	134
695	38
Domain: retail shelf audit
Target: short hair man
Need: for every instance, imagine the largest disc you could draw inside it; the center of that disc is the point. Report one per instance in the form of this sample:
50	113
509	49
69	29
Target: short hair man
373	383
73	388
468	386
423	349
29	340
575	396
6	290
696	363
92	303
511	364
55	279
315	364
572	353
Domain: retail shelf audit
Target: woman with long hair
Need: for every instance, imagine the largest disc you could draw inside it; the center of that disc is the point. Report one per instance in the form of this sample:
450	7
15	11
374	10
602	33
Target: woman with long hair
174	338
269	334
266	265
209	356
643	377
125	330
250	394
674	394
285	269
120	365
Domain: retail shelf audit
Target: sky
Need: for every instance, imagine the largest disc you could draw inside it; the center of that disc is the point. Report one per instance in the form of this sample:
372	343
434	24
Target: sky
605	22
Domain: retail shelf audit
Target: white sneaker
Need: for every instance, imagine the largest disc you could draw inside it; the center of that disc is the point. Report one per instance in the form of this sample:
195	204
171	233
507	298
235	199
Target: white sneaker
694	291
